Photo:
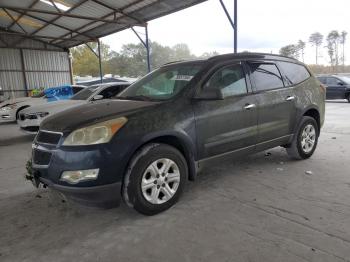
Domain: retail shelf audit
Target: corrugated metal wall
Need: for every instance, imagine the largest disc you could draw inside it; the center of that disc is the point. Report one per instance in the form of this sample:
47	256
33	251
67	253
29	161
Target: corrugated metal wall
40	68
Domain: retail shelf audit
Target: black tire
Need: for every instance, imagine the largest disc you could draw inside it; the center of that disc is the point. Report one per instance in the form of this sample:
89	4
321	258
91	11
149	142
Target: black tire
143	158
295	150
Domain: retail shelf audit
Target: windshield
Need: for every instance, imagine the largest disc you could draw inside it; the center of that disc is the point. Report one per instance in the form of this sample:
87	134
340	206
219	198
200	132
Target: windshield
85	93
345	79
162	84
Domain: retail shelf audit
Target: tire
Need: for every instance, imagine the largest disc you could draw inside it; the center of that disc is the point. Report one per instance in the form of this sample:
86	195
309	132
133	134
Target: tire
145	184
296	150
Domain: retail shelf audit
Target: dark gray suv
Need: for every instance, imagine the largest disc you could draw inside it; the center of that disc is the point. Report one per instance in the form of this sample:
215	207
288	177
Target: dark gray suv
145	143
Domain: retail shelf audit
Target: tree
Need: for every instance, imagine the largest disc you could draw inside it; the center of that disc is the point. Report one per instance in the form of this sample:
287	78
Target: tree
85	62
290	50
316	39
333	40
342	42
301	47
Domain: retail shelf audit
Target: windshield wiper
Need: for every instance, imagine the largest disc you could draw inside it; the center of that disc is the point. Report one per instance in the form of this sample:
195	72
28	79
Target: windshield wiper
138	97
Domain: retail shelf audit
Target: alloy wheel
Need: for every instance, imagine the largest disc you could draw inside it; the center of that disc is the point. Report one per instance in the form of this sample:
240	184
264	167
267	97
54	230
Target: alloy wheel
160	181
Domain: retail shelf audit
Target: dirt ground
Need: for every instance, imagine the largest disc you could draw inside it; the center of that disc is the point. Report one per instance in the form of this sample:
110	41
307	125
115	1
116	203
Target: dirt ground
264	207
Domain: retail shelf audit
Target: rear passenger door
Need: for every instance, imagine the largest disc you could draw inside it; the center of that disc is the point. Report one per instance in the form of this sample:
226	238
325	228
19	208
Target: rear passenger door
276	104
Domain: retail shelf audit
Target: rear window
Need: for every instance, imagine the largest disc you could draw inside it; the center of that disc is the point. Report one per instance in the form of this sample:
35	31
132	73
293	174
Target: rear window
294	73
266	76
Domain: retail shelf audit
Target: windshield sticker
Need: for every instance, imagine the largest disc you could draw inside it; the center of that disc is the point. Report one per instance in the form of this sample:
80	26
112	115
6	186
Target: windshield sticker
182	78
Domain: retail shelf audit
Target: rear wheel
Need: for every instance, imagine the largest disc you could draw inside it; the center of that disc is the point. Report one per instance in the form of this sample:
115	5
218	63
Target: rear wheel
305	140
155	178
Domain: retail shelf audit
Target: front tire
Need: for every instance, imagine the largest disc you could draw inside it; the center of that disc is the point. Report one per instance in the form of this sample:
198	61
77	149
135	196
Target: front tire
305	140
155	178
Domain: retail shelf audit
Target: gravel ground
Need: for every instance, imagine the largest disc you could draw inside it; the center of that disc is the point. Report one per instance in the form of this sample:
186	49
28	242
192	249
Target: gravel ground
264	207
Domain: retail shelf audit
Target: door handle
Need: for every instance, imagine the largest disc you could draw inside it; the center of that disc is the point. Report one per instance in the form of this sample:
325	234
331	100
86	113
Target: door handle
249	106
290	98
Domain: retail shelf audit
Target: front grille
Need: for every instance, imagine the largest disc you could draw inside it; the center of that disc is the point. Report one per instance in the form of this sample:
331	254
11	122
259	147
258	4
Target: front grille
41	157
48	137
31	116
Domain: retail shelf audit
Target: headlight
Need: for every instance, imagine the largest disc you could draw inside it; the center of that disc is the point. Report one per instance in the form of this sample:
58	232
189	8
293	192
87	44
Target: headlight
7	108
74	177
96	134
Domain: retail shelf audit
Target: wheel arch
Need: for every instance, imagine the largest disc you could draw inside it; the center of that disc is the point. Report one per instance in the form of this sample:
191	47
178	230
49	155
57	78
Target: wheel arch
20	109
314	113
178	140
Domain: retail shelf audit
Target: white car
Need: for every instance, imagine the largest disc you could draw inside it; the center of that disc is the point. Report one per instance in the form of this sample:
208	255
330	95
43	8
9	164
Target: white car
9	109
30	118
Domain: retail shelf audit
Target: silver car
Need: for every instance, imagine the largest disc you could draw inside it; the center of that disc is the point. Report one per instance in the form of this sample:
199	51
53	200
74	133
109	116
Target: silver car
29	119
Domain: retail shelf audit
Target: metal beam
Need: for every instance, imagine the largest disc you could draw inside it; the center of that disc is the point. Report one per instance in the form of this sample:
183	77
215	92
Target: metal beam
88	24
66	14
24	72
138	36
14	20
20	16
99	59
52	23
233	23
92	50
3	31
235	17
37	37
148	50
118	11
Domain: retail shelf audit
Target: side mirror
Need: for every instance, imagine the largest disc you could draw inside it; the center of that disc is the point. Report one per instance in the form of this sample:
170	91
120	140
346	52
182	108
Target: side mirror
340	83
97	97
210	94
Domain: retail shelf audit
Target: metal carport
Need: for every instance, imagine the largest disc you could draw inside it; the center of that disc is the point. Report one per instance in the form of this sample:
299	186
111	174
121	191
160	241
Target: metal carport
54	26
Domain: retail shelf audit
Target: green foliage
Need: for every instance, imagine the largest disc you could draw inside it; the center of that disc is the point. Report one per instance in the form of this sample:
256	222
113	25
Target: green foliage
131	61
290	50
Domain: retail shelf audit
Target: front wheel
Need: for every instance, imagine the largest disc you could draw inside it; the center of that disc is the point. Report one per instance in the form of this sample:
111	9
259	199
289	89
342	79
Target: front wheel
155	178
305	140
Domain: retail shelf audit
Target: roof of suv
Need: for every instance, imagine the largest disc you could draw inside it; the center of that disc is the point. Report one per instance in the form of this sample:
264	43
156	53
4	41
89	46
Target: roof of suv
243	56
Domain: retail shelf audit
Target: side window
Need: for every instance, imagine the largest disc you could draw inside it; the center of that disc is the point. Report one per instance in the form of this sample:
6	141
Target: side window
110	91
294	73
332	81
266	76
231	81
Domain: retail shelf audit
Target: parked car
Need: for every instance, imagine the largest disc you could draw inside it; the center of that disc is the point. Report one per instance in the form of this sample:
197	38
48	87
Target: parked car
338	87
162	129
30	118
9	109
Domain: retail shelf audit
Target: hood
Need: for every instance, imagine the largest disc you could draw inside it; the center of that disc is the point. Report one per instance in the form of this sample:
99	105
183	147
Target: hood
93	112
14	101
54	107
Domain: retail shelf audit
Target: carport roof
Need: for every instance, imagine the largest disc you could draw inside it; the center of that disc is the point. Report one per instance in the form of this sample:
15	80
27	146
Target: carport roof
68	23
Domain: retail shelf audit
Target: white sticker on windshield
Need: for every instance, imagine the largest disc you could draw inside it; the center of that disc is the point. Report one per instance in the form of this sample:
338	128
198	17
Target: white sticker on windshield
182	78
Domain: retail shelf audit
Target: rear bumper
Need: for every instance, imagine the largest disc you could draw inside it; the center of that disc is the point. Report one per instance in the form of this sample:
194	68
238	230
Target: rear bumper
102	196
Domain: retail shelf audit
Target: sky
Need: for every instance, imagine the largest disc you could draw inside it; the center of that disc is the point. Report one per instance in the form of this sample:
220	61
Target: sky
263	26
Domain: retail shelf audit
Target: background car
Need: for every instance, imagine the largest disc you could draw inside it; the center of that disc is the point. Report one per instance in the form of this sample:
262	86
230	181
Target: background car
338	87
9	109
30	118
